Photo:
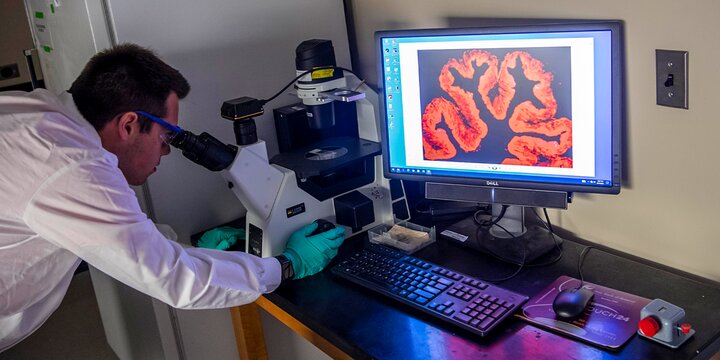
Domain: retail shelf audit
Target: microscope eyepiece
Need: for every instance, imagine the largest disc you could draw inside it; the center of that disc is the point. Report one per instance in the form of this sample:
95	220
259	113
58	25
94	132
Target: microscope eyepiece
205	150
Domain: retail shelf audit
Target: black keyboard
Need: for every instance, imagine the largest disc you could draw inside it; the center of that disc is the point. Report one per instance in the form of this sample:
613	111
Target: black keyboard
449	296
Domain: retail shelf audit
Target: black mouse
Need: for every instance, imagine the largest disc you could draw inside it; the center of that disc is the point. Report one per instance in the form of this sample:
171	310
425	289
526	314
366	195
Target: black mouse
323	226
571	303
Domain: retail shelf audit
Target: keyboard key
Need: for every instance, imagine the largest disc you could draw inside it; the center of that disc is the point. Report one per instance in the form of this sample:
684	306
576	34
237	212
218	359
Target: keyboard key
498	313
424	293
462	317
431	289
486	323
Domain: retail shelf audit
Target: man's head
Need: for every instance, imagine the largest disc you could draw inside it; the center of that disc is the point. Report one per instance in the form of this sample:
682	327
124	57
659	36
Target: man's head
115	84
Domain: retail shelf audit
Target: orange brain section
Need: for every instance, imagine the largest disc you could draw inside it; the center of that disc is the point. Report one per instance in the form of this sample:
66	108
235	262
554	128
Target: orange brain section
462	116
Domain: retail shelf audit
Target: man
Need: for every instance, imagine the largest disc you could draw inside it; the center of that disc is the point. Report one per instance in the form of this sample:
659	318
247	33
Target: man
66	164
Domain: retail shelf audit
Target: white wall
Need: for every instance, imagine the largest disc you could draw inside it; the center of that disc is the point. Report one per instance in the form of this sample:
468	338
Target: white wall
226	49
15	37
73	32
668	207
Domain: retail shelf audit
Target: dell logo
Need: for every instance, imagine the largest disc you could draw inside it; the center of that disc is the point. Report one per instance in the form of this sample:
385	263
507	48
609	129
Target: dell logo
492	183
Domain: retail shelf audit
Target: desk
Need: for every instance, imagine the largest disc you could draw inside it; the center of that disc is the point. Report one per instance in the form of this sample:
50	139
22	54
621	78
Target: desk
345	320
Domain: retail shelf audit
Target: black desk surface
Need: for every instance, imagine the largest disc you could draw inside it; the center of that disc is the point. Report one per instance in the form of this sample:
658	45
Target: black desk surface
367	325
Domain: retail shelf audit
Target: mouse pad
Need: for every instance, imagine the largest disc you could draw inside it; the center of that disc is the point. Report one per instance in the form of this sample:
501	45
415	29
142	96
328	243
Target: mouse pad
609	320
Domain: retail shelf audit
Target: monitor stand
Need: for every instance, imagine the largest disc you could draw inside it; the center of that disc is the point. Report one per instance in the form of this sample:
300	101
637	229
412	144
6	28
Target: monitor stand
531	240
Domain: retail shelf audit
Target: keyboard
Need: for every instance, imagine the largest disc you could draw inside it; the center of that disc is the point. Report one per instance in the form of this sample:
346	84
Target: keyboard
452	297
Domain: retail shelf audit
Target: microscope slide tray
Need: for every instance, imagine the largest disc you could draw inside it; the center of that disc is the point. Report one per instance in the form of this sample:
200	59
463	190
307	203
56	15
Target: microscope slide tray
326	155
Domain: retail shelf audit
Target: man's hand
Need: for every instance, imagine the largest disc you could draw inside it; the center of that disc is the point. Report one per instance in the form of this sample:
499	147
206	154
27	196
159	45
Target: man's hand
310	254
221	238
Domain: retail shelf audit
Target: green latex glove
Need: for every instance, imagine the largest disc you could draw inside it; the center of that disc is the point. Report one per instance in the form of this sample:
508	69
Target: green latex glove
221	238
310	254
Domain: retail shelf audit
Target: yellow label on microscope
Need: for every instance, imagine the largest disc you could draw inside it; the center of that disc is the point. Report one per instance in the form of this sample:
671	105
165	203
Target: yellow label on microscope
322	73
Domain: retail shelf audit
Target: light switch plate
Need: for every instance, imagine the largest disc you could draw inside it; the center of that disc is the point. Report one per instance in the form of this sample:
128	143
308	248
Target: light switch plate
671	72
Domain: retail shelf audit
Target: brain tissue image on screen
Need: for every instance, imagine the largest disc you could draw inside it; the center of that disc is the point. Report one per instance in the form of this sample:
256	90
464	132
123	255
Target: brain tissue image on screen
467	106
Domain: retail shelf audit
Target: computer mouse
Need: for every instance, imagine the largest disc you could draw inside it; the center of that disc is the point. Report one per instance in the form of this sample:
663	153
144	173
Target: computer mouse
323	226
571	303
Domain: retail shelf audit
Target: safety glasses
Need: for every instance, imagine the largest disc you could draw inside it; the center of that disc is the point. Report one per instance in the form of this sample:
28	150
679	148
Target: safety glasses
168	136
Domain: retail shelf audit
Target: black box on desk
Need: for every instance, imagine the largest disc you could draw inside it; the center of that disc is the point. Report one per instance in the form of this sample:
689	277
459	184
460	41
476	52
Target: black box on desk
354	210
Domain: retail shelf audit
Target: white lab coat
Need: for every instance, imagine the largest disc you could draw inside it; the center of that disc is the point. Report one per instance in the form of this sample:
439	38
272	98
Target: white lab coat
63	198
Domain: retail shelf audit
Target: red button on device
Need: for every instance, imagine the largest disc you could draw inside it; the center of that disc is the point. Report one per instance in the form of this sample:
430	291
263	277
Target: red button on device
685	328
649	326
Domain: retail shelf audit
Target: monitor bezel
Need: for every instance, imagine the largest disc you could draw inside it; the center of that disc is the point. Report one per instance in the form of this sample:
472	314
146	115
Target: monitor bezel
617	100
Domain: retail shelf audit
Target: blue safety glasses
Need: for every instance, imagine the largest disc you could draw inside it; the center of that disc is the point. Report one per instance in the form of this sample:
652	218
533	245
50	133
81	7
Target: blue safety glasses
168	136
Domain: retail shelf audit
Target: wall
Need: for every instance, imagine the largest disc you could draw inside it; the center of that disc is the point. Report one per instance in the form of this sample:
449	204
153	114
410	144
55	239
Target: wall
15	37
226	49
667	209
74	31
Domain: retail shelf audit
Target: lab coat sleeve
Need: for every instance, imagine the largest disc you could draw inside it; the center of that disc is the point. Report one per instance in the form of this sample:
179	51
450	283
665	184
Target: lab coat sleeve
88	209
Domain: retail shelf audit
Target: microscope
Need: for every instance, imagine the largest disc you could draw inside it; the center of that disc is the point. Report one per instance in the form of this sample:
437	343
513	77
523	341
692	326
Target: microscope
337	178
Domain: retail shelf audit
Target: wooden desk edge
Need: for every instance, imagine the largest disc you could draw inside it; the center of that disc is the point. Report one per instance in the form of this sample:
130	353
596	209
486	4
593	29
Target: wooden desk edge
249	335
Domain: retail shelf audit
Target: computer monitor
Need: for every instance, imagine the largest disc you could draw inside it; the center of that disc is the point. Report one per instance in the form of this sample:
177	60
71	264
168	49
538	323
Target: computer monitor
521	115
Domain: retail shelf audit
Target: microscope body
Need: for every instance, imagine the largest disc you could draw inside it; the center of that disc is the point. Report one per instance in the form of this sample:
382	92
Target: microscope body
337	176
338	179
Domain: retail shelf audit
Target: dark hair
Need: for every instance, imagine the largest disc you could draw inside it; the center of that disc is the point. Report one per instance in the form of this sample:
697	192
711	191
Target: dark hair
124	78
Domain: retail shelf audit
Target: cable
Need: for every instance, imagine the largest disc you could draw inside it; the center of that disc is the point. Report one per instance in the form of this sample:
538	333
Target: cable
286	86
482	223
580	263
546	218
520	265
362	81
491	222
549	228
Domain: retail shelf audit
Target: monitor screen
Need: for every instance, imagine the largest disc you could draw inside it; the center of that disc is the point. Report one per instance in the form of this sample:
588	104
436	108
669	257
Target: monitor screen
523	106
